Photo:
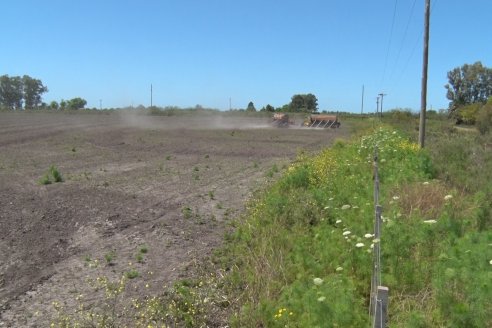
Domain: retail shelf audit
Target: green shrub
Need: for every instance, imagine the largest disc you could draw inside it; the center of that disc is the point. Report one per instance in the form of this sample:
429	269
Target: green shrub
484	118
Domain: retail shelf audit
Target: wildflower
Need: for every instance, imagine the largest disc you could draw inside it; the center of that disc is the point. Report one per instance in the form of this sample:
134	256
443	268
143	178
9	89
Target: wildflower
448	197
368	235
430	221
346	233
339	269
396	197
345	207
321	299
375	241
425	183
490	261
359	245
338	221
372	245
318	281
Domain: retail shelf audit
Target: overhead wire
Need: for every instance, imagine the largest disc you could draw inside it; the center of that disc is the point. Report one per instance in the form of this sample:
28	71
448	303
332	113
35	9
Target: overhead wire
389	43
419	39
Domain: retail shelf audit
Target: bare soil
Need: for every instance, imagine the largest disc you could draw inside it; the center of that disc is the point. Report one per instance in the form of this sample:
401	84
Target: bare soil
169	184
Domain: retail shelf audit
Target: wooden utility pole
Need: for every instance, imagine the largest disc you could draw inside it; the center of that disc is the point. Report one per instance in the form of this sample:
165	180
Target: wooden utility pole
151	95
423	98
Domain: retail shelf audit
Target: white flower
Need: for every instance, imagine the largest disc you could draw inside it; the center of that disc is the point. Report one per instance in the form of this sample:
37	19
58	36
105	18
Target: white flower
372	245
359	245
318	281
490	261
430	221
345	207
327	207
321	299
368	235
375	241
425	183
338	221
340	268
346	233
448	197
396	197
331	198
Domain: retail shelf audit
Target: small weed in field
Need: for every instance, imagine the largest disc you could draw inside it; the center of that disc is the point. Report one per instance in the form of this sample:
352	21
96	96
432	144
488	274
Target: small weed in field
144	249
207	156
109	257
74	150
211	195
105	184
255	165
196	169
131	274
53	175
45	180
139	257
219	206
168	157
57	177
187	212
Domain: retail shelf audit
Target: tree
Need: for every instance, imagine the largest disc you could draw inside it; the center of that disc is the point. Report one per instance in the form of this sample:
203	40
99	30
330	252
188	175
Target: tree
304	103
11	93
76	103
54	105
251	107
33	90
269	108
484	117
63	104
468	84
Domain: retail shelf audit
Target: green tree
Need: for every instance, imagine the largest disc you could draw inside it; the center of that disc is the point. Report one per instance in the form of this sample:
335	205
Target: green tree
54	105
33	90
11	92
63	104
251	107
76	103
468	84
304	103
269	108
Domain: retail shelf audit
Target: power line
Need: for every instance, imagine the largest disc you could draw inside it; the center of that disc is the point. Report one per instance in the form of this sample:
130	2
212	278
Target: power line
389	42
403	39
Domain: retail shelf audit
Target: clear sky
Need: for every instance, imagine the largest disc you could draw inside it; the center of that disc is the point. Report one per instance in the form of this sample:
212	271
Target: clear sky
209	51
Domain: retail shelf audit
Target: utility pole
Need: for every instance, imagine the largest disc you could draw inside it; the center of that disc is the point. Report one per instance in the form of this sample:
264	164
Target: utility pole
230	104
382	96
100	104
377	105
151	95
362	104
423	98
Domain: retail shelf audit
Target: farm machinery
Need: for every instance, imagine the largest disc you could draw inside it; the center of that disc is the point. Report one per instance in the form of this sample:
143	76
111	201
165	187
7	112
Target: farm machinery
322	121
281	120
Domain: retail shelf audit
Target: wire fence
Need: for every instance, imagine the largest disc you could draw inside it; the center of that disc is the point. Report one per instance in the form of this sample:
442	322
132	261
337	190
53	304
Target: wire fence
378	305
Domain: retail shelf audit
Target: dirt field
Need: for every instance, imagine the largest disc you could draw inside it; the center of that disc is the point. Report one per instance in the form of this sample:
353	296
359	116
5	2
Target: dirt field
167	184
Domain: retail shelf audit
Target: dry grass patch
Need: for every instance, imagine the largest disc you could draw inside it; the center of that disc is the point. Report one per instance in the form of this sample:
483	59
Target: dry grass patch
425	199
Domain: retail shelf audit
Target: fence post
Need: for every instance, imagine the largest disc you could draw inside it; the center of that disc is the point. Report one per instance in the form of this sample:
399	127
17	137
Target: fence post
381	315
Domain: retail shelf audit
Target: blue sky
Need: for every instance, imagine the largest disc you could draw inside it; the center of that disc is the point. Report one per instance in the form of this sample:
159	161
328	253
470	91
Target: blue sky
207	52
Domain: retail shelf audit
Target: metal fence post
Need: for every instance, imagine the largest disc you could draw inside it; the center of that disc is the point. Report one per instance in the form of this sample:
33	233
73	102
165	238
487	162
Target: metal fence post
381	315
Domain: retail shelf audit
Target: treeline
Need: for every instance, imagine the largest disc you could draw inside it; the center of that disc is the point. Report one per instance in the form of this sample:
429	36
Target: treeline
21	93
299	103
